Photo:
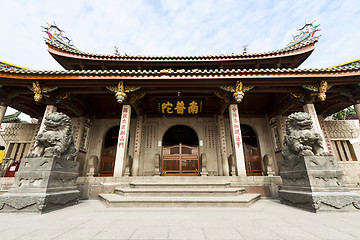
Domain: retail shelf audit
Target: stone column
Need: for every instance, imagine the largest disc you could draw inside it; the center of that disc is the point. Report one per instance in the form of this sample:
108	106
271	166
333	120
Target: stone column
310	109
122	144
237	139
136	160
225	163
357	110
40	127
326	135
79	133
2	113
280	125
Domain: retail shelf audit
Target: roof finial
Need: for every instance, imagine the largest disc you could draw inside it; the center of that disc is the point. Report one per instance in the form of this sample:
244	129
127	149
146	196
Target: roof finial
116	50
245	51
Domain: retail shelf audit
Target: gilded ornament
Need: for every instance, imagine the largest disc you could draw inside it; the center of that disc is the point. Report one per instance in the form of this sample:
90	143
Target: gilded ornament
120	90
39	91
319	89
135	96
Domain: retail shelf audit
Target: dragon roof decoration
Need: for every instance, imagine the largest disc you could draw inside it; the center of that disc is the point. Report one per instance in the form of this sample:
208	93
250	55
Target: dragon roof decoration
307	32
55	35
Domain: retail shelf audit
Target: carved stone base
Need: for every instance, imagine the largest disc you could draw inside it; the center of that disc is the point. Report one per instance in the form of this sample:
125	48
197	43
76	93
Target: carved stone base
321	201
37	202
42	184
315	183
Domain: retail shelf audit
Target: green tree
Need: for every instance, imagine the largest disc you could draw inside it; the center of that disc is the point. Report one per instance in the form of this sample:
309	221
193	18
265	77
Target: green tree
344	114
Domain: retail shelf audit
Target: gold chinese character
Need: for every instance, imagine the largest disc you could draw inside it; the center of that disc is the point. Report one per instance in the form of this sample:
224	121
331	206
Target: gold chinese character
193	108
167	106
180	107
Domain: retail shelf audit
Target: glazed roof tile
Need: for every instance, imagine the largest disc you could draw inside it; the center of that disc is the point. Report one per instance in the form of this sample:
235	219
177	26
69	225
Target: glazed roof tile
179	72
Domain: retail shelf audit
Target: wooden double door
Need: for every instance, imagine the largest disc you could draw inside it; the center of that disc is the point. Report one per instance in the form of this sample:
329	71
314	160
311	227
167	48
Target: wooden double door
180	160
252	160
107	162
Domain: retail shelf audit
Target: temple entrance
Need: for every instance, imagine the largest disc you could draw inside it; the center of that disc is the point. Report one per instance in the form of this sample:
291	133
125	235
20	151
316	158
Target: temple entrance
108	153
180	153
251	151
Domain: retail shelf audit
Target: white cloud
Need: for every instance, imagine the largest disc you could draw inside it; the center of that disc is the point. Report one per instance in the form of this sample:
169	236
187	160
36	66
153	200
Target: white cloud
176	27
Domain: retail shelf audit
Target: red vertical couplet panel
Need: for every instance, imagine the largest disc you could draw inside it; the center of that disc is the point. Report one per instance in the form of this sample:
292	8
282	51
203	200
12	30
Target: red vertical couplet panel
122	143
237	139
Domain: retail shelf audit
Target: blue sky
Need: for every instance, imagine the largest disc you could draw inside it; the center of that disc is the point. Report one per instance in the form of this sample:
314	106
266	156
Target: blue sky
178	27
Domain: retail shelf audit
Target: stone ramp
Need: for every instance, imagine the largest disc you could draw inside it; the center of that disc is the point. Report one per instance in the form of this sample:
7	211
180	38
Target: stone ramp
179	194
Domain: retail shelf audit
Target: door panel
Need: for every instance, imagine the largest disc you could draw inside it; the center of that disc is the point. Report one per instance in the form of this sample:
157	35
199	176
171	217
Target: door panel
180	160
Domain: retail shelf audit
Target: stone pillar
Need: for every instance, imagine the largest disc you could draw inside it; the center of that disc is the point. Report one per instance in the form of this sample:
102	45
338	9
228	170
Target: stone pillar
136	160
238	149
310	109
280	125
356	147
40	127
122	144
225	163
326	135
357	110
2	113
79	133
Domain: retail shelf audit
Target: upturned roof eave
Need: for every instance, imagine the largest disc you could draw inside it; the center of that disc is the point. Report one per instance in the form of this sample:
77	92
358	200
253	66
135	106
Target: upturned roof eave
59	50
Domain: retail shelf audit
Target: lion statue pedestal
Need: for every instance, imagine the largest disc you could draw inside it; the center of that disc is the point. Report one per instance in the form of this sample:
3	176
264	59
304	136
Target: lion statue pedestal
46	178
311	177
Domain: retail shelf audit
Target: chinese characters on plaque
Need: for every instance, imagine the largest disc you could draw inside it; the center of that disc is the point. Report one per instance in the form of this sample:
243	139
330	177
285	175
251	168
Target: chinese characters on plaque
179	107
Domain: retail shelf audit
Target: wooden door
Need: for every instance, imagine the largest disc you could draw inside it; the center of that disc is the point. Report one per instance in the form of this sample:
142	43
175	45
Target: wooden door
107	162
252	161
180	160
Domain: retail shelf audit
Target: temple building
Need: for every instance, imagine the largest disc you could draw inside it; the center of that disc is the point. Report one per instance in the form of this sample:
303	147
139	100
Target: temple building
155	117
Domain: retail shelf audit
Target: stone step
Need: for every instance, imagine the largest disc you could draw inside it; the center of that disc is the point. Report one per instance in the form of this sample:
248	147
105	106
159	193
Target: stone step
116	200
171	184
177	191
3	191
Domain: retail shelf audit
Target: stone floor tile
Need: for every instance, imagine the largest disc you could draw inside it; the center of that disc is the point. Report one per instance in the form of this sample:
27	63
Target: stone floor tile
115	232
79	234
329	233
294	233
154	233
218	233
190	233
257	233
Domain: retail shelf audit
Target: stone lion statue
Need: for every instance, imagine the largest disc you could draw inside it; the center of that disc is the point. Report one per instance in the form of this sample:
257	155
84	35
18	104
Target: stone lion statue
301	139
56	140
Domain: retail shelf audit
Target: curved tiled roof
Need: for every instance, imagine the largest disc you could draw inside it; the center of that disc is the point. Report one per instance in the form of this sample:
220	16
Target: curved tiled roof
194	72
283	51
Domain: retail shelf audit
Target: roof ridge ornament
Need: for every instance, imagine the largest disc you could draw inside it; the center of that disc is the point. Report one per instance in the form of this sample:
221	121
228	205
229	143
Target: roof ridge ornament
55	35
307	32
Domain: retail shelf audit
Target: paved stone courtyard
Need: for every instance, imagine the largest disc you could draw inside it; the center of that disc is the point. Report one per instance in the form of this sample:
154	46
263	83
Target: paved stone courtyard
266	219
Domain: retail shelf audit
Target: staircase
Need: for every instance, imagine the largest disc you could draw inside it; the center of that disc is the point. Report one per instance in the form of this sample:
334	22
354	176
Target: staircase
175	193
